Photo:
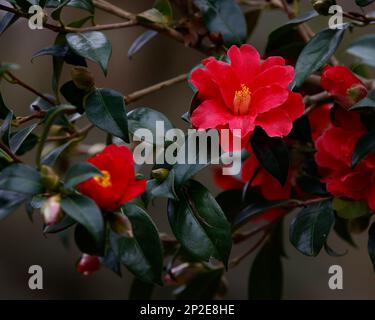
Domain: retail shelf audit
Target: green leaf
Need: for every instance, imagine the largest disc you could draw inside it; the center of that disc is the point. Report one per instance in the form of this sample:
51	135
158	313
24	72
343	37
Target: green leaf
73	95
145	118
253	210
272	154
342	230
9	202
266	275
317	52
349	209
64	224
8	19
199	224
140	290
50	158
364	146
165	7
80	172
368	102
225	17
311	226
56	14
277	35
22	179
371	244
4	110
161	13
363	3
84	210
105	108
6	127
92	45
364	48
82	4
142	254
86	243
203	287
140	42
19	138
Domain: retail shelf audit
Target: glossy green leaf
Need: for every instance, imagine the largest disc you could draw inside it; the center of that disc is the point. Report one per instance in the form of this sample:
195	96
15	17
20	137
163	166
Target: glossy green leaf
254	210
50	158
277	36
73	95
272	154
317	52
364	48
349	209
105	108
84	210
9	202
225	17
311	226
56	14
200	225
364	146
363	3
22	179
82	4
165	7
65	223
142	254
266	275
6	127
145	118
86	243
19	137
140	42
92	45
7	20
80	172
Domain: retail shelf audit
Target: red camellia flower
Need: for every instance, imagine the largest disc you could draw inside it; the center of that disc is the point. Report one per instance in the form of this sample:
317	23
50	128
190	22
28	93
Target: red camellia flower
246	93
117	184
319	119
88	264
343	85
334	157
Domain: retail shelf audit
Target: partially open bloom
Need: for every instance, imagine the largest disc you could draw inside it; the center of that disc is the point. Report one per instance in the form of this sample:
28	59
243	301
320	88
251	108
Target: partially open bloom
246	93
334	157
343	86
117	184
88	264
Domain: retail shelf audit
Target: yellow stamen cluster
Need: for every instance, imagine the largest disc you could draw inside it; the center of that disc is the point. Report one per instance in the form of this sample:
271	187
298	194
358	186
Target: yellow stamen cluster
104	180
241	101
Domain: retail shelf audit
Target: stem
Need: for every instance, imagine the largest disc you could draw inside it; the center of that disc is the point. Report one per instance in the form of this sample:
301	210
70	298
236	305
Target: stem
111	26
78	133
15	80
9	153
146	91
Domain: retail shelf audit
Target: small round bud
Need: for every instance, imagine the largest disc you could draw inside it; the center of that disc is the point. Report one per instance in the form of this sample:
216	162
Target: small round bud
121	224
322	6
82	78
160	174
49	178
183	273
88	264
51	210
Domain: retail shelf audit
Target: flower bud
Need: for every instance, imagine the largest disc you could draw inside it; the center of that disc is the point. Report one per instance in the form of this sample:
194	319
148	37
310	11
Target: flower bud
183	273
356	93
49	178
121	224
160	174
322	6
82	78
88	264
51	210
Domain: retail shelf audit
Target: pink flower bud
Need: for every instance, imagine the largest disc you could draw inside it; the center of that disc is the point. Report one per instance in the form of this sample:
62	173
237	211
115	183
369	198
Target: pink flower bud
88	264
51	210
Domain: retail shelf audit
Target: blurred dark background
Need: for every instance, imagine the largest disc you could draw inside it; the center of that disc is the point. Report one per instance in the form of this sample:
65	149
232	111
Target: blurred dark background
22	243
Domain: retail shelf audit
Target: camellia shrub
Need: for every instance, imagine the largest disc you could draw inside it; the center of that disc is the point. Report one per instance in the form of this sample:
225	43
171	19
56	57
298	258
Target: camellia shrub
299	122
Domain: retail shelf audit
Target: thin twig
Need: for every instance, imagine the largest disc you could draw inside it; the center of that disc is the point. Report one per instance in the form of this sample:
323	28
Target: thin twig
111	26
9	153
27	87
146	91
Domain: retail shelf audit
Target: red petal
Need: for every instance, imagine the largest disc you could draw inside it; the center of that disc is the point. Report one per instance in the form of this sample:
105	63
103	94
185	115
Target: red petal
272	61
294	106
244	123
245	62
207	89
276	75
276	123
134	189
267	98
209	115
